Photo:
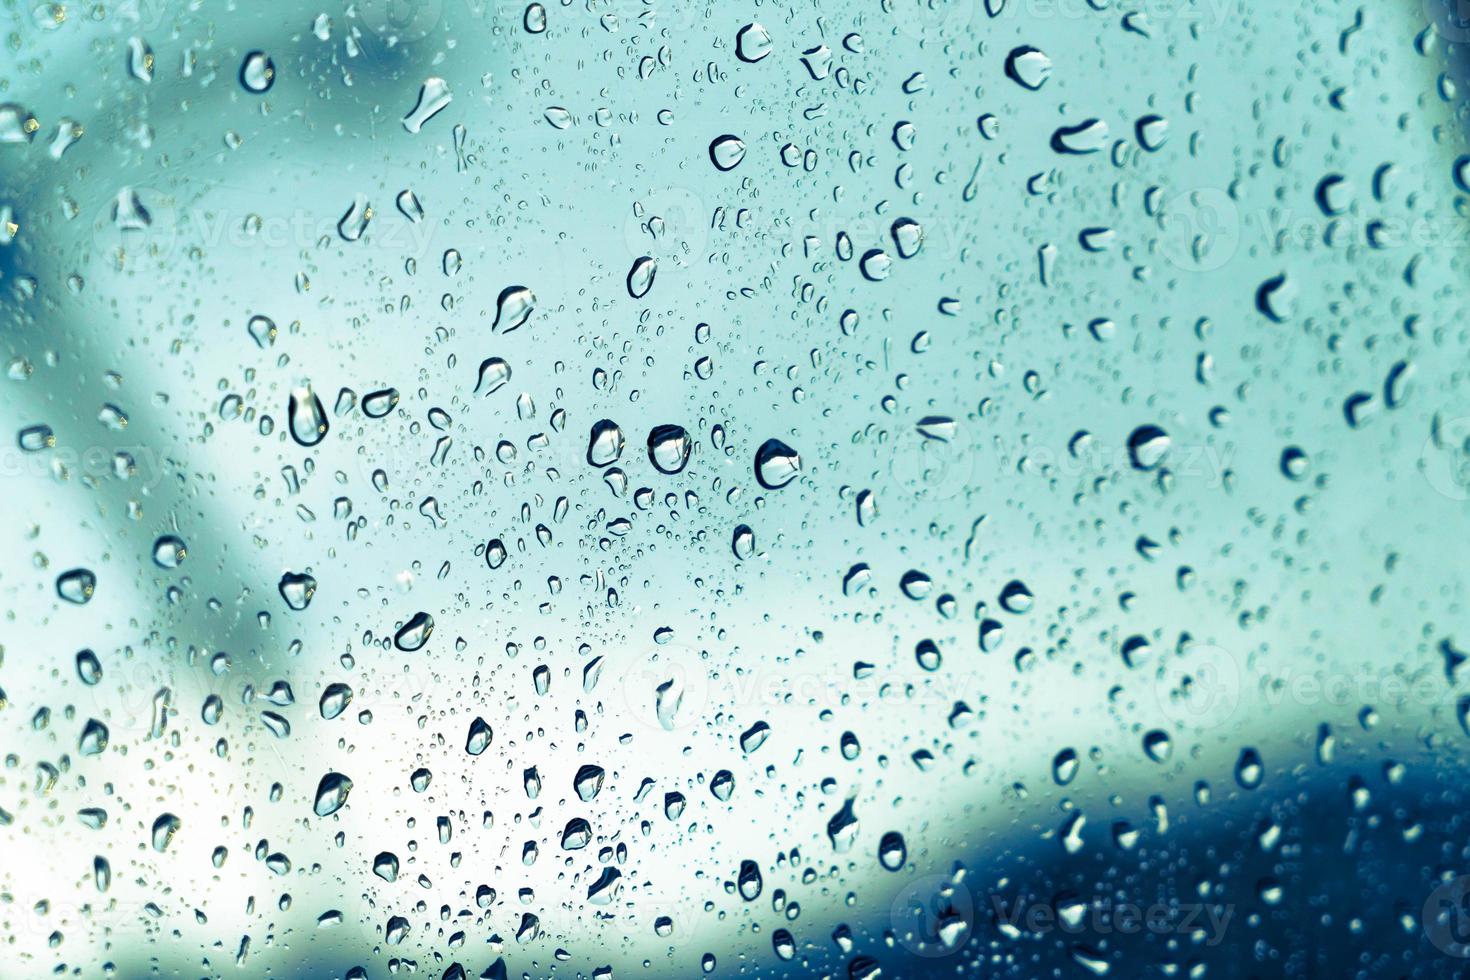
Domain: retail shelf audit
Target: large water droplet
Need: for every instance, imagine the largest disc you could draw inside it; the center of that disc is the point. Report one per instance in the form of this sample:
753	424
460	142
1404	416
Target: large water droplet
752	43
669	447
297	590
331	794
1028	67
169	551
76	586
257	72
1147	446
726	152
1085	137
479	737
306	416
605	443
640	276
776	464
414	633
513	308
434	95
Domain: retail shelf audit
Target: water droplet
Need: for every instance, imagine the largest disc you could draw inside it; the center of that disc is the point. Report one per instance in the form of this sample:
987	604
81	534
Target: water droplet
726	152
892	851
1028	67
1153	132
1064	766
169	551
257	72
1085	137
743	541
479	737
588	782
748	881
1157	745
842	828
414	633
376	404
297	590
669	447
16	124
164	829
140	60
908	237
752	43
76	586
94	737
355	222
331	794
576	835
434	95
1275	298
306	416
494	375
605	443
534	20
385	866
513	308
640	276
1249	772
1147	446
776	464
262	330
875	265
35	438
335	699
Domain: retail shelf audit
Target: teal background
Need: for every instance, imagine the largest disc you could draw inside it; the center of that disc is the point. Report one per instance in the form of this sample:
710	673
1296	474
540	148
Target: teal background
1307	602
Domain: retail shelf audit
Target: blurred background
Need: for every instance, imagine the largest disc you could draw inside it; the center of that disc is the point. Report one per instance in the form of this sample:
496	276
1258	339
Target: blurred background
1108	620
